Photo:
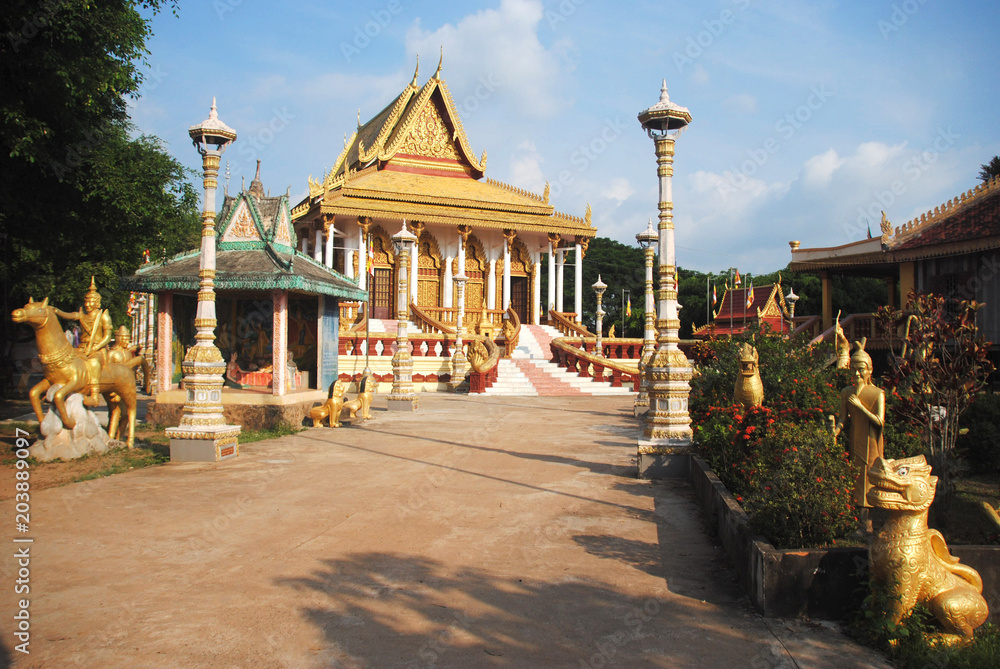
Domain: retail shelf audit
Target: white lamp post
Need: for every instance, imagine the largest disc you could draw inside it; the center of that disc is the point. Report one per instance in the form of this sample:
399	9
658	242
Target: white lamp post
402	397
791	299
203	434
647	239
599	288
458	361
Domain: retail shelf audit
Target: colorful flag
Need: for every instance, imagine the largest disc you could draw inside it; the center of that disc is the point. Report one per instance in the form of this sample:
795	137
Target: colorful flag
628	307
715	297
369	261
750	294
737	281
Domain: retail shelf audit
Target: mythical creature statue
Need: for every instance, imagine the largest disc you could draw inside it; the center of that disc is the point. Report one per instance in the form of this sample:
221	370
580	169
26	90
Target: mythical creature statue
363	402
74	370
331	408
913	559
864	406
749	390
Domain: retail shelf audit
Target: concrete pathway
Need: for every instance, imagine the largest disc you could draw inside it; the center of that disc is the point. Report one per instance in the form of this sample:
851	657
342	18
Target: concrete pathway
478	532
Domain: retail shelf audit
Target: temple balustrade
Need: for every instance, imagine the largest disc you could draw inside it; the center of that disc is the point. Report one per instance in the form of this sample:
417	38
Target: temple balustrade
352	316
578	355
809	325
855	327
566	323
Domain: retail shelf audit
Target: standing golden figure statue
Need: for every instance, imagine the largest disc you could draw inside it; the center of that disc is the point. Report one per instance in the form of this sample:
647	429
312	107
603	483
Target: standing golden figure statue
74	372
843	347
749	390
123	352
864	405
913	560
95	334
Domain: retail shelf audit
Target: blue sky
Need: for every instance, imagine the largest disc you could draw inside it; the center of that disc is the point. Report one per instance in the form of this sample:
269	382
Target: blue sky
808	117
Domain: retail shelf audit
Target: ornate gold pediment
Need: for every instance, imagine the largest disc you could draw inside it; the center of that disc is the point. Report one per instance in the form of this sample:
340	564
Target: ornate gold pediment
429	136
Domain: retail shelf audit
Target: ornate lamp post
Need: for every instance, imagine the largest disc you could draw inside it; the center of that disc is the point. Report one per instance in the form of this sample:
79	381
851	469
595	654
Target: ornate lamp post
203	434
599	288
667	425
791	299
402	397
458	361
647	239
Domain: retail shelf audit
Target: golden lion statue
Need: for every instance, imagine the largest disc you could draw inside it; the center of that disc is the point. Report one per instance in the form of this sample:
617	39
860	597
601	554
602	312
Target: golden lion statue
335	405
913	559
749	390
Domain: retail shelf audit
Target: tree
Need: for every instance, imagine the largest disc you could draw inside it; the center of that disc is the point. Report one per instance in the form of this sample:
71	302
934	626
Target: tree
941	365
79	196
990	170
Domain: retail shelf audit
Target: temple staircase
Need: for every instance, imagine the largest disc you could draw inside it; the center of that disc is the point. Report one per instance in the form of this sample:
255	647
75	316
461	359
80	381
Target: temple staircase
530	370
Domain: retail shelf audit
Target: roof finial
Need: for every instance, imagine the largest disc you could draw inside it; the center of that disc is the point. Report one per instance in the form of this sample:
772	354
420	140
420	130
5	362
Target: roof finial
213	112
416	71
345	140
359	118
663	92
437	75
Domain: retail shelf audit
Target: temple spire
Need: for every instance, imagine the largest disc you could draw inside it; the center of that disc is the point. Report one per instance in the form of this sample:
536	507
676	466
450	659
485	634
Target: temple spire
437	74
416	71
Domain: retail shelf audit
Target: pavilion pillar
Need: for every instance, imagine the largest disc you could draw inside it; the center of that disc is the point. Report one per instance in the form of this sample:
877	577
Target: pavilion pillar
363	252
446	291
506	275
349	264
318	247
552	281
304	244
578	284
560	266
536	287
149	353
890	289
907	280
279	343
491	285
165	326
827	302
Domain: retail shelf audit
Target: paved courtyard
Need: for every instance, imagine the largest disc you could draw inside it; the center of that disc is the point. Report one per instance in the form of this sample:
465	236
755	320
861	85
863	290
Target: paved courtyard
501	532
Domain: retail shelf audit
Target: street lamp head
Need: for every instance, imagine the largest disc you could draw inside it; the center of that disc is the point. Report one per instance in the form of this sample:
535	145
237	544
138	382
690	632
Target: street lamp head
648	237
791	297
665	116
600	286
402	240
212	133
460	278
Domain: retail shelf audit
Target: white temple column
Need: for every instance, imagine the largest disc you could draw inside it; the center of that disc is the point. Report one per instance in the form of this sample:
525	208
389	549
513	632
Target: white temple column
363	252
491	285
414	254
506	275
447	299
461	256
329	247
349	264
164	348
536	287
305	244
552	281
560	266
578	284
318	247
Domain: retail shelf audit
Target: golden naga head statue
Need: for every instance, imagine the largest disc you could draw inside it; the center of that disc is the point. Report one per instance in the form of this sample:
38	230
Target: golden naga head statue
901	485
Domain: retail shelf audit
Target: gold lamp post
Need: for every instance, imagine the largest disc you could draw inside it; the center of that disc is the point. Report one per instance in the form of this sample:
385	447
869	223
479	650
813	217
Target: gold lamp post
599	288
203	434
667	424
647	239
458	360
402	396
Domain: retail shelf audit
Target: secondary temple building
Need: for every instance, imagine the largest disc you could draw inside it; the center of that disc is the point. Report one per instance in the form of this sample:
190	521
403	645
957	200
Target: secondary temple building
412	162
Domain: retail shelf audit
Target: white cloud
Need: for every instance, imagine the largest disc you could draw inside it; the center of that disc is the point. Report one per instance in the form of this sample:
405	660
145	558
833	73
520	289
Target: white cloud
500	46
742	103
618	190
819	169
526	167
699	75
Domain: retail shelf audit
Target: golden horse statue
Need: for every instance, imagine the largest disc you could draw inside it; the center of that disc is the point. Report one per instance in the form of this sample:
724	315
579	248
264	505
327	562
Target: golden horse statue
913	559
65	368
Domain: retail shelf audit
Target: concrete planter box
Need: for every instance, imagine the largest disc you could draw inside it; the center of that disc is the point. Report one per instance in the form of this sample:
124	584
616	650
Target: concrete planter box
819	583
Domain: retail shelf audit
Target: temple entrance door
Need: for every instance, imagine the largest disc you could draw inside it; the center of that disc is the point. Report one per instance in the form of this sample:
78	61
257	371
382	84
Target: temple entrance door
519	297
382	293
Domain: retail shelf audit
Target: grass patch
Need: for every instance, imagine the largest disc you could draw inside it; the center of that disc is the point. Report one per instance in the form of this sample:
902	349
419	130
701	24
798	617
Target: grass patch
279	430
123	460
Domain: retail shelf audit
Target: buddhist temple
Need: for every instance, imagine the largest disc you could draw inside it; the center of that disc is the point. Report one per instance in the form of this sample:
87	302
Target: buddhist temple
743	308
412	162
952	250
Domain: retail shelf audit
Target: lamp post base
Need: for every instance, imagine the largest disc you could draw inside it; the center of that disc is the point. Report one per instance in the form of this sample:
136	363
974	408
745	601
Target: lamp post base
659	462
205	444
403	403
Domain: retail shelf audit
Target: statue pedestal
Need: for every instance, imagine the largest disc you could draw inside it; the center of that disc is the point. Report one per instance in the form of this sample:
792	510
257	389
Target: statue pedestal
59	443
209	444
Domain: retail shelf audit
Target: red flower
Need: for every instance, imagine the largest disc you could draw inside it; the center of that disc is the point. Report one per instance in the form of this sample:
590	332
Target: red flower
819	479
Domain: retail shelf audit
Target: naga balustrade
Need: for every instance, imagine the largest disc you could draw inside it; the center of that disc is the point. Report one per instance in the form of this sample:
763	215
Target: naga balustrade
563	321
855	327
574	356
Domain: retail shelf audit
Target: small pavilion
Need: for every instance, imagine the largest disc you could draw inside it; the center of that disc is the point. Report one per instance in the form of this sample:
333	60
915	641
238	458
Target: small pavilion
277	309
737	312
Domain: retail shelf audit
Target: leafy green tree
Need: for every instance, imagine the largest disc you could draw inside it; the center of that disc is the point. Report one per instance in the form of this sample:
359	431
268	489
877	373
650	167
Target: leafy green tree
79	196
